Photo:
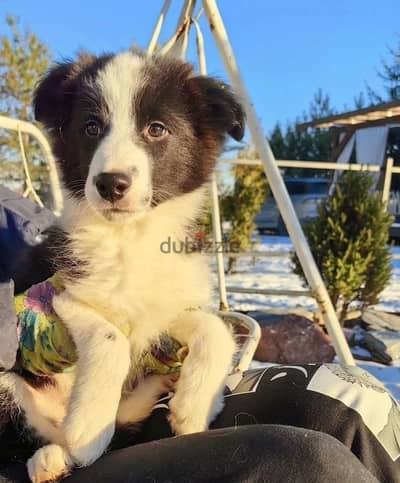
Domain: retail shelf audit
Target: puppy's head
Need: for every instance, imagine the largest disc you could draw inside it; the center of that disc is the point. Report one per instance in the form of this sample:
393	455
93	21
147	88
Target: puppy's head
130	132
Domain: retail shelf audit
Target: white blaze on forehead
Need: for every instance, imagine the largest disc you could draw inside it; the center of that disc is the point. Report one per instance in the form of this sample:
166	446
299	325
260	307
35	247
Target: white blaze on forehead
118	82
121	150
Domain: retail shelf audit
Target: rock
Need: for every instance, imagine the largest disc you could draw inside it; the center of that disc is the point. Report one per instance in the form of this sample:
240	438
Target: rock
293	338
374	319
383	344
362	354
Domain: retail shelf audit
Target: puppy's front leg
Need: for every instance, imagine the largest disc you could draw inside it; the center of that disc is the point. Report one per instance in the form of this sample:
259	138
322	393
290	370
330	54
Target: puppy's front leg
198	397
102	366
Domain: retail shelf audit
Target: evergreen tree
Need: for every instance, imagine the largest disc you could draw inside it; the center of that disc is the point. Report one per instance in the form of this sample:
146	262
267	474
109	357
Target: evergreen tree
390	76
310	144
349	241
248	195
23	60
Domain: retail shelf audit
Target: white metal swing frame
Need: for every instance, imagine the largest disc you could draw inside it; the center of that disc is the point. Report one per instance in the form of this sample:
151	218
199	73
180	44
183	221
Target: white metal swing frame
24	127
177	45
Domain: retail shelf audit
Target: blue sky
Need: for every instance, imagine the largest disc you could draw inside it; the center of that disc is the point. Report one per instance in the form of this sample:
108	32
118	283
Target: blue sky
286	50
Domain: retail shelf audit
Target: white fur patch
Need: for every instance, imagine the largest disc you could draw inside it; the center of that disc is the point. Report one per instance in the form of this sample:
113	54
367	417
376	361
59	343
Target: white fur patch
132	283
120	151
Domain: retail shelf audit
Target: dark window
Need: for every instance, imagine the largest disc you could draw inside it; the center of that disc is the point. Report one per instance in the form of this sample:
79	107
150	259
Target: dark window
306	188
393	150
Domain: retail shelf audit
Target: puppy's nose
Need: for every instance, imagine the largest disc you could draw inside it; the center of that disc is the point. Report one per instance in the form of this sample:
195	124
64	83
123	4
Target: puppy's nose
112	186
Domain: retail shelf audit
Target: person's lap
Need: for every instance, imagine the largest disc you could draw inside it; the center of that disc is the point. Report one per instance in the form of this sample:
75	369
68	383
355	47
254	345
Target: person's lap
277	425
258	453
342	402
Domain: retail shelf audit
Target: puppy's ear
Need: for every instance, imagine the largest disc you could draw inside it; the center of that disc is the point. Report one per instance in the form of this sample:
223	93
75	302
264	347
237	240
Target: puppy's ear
53	98
218	105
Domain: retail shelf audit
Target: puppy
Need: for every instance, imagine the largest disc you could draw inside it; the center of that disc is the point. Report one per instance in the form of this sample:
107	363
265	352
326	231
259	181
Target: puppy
136	140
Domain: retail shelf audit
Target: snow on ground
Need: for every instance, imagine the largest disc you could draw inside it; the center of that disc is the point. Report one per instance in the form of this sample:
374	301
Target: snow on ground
267	273
276	272
389	375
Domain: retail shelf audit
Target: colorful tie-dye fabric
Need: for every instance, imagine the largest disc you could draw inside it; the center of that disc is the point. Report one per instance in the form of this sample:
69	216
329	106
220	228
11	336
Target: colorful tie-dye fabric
46	347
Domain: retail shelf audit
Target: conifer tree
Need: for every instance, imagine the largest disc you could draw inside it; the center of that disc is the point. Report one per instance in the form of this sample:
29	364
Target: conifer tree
389	73
349	241
23	60
248	195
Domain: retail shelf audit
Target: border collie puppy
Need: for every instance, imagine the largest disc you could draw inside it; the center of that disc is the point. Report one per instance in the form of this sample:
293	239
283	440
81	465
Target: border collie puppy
136	140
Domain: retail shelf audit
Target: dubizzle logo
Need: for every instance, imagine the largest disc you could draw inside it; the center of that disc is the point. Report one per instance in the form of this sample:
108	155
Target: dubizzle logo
199	243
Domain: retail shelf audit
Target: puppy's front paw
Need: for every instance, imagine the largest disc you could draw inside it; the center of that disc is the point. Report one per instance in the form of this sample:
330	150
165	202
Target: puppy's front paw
50	463
187	415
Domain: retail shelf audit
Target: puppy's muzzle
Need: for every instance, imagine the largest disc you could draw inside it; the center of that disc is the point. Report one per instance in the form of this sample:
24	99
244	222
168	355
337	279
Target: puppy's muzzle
112	187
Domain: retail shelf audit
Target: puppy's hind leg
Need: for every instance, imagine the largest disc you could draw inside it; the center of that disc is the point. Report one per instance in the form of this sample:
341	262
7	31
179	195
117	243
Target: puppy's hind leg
42	410
138	404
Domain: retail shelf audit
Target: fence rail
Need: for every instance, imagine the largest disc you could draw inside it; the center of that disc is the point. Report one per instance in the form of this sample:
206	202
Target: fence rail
324	165
392	200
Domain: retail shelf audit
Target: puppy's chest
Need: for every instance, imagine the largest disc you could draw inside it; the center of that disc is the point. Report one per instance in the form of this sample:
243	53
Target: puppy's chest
134	269
133	282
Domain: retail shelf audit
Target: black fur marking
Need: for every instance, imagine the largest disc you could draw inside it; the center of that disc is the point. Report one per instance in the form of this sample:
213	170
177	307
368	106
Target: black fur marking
65	99
61	257
17	442
198	112
37	263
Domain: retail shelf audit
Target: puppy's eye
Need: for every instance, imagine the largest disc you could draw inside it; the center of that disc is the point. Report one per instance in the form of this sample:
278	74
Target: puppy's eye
156	130
92	128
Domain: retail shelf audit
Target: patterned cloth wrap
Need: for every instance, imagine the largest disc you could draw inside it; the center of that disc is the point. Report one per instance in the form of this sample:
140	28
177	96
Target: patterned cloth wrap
46	347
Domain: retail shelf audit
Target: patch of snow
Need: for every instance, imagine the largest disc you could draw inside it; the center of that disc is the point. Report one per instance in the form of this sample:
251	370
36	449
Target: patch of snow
276	273
360	351
389	375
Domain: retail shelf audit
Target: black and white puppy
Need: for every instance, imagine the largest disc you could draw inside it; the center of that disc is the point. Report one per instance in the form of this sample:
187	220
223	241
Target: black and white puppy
136	140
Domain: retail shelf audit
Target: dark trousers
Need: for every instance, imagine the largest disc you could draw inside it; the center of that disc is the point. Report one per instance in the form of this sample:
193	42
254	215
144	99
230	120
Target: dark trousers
274	428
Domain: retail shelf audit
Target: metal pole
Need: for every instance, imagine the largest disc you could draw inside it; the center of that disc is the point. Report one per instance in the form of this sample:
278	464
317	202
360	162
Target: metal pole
388	180
278	187
157	29
217	236
182	30
215	213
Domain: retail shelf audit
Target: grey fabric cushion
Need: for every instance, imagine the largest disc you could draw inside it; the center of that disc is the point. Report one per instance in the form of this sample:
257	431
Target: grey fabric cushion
8	326
21	225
